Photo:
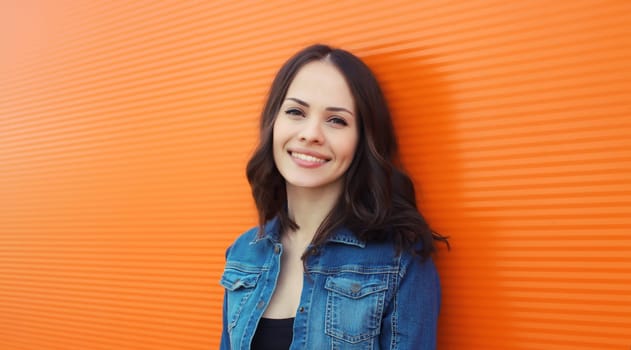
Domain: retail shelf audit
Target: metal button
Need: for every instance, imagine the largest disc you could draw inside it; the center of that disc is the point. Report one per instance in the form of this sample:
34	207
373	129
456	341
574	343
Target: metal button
260	305
276	249
302	309
355	287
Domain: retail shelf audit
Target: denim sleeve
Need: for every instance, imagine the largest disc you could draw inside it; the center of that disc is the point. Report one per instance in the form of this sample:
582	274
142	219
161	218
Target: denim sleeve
225	339
410	320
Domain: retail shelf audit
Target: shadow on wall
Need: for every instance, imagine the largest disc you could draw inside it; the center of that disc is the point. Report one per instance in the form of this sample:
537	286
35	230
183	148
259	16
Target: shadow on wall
427	128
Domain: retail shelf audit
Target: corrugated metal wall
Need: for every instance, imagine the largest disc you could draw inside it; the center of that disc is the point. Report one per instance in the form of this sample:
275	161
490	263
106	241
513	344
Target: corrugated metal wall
125	127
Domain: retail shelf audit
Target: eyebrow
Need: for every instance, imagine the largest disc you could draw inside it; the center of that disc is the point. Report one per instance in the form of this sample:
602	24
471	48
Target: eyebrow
332	109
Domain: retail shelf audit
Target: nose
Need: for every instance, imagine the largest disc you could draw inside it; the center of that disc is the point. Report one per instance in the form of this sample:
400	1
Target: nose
311	131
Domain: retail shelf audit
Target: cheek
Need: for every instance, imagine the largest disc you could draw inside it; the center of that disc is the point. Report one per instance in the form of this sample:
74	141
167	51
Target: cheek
280	130
348	148
354	142
277	134
280	137
276	147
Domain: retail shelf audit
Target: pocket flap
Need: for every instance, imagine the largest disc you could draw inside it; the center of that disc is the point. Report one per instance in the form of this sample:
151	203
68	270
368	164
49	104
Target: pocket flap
234	279
354	288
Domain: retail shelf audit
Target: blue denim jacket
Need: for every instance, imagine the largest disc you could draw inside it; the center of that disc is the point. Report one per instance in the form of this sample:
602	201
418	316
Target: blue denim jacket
356	295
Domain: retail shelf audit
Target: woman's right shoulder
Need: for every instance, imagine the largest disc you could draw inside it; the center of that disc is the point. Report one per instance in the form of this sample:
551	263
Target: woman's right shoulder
243	241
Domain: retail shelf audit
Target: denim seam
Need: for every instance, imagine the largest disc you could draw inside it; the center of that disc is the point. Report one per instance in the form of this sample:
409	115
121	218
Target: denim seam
394	318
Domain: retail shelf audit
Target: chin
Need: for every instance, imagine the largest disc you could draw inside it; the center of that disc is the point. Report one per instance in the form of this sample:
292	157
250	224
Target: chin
306	184
301	182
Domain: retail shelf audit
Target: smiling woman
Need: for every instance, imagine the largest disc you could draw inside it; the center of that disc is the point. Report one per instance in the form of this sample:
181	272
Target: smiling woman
315	132
341	258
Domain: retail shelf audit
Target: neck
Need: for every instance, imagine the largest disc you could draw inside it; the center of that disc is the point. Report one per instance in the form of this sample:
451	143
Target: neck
308	207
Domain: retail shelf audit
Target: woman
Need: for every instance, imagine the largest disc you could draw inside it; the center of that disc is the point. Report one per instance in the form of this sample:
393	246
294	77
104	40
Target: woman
341	259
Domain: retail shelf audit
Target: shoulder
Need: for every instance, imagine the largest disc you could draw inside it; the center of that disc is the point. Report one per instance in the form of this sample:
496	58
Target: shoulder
420	276
242	242
254	246
407	261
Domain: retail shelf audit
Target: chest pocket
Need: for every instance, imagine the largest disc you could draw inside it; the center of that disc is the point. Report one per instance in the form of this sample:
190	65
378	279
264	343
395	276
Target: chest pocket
354	309
239	287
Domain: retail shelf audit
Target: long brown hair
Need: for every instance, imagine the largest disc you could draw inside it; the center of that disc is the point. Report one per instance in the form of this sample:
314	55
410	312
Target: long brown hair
378	200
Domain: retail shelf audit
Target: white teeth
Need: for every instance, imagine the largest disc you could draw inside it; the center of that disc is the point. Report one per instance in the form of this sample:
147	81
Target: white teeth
307	157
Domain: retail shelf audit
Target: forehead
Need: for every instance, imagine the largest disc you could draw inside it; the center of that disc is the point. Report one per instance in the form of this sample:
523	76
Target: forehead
321	83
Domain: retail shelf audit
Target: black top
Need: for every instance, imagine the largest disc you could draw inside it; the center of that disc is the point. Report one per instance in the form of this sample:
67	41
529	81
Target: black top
273	334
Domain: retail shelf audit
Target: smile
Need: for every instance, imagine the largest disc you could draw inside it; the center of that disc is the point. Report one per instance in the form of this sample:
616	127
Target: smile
307	158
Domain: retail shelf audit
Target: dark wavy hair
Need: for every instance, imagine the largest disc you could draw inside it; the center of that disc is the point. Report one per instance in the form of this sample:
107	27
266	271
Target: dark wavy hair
378	201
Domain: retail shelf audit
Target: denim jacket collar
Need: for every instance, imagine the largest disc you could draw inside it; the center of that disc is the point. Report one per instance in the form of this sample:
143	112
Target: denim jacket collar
340	235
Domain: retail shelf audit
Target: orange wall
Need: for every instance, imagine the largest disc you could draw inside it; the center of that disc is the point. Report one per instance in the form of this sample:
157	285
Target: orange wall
125	127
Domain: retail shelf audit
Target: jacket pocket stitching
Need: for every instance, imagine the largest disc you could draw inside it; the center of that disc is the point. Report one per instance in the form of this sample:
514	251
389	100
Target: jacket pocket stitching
354	300
238	284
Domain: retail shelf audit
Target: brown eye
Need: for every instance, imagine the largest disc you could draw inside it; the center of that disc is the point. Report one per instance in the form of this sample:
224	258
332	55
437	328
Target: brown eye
338	121
294	112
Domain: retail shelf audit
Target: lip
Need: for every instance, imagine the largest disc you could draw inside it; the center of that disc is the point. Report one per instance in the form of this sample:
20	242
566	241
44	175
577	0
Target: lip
309	153
305	163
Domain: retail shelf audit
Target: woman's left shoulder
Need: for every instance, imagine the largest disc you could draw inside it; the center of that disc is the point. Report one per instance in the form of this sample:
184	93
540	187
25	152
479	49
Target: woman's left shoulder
407	259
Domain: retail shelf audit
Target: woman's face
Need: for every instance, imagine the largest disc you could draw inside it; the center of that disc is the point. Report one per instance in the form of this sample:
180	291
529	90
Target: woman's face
316	130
